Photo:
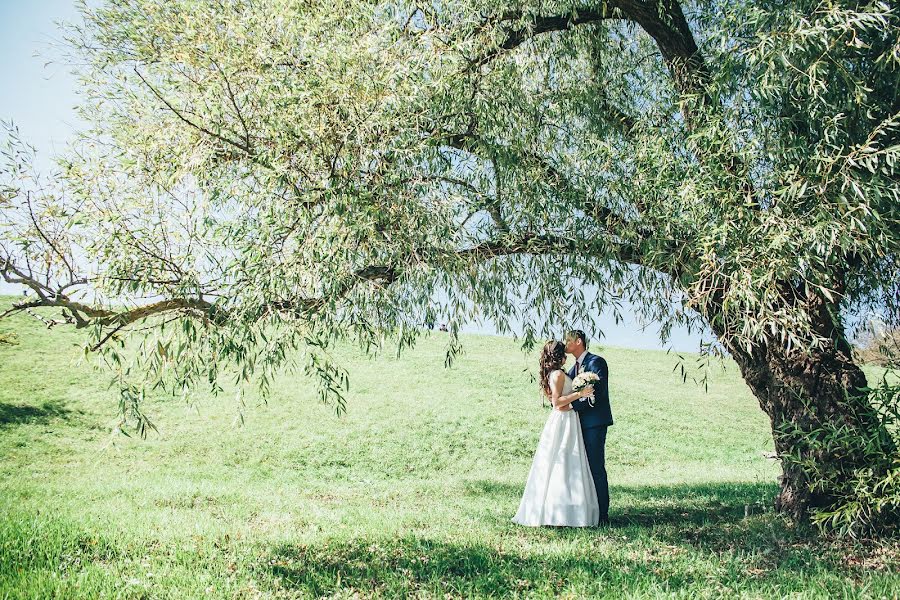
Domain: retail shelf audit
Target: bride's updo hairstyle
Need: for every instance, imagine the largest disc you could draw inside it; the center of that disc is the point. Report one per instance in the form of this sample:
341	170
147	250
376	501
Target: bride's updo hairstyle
552	358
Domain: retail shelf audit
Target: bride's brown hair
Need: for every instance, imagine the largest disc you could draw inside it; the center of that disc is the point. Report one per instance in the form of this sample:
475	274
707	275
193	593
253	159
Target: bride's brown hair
552	357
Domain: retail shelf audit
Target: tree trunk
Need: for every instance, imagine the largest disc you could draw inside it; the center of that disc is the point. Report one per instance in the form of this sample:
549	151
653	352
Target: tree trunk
806	394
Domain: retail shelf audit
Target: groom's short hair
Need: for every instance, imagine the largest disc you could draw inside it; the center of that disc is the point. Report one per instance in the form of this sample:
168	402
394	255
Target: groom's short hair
577	334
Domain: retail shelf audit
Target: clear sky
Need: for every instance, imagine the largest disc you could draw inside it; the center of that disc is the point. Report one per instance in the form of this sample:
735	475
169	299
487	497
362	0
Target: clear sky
40	97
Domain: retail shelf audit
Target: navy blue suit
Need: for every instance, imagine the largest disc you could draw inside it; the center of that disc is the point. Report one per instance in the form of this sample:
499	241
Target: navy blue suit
594	421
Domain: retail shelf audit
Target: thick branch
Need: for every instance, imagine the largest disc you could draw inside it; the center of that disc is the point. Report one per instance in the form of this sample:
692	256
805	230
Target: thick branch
664	21
516	32
304	308
534	244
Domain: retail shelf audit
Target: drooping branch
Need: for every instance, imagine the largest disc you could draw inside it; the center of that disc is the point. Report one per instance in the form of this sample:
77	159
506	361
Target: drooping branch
665	22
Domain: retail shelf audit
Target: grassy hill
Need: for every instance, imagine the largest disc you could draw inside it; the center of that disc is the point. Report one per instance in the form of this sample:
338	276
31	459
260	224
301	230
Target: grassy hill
408	494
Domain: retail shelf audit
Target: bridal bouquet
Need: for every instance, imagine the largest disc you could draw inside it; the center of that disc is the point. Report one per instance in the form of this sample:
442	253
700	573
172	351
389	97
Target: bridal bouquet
585	379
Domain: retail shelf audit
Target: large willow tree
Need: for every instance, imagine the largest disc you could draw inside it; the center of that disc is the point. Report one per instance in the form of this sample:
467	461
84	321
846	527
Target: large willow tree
264	178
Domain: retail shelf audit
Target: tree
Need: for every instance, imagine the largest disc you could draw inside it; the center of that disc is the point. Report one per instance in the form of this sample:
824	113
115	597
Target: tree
271	178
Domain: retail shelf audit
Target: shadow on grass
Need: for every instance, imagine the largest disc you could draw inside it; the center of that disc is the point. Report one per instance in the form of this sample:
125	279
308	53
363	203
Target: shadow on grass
415	566
15	414
663	538
410	566
651	506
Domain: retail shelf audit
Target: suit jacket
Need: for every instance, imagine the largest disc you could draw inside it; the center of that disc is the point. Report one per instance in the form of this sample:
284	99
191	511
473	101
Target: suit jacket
599	414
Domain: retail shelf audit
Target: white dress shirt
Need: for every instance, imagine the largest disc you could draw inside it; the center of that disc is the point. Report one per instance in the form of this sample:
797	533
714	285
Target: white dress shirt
579	361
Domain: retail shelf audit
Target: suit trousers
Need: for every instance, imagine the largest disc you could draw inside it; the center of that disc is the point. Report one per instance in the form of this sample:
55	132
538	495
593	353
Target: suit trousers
595	446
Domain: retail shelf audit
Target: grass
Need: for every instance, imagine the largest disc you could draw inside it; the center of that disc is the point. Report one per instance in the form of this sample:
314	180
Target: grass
408	494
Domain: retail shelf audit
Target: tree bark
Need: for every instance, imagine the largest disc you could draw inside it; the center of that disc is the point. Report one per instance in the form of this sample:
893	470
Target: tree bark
807	395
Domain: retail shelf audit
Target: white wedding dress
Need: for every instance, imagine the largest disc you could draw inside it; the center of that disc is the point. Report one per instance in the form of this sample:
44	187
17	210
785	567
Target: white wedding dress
560	490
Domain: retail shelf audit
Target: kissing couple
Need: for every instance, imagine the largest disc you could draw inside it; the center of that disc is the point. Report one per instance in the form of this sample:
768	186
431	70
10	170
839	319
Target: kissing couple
567	484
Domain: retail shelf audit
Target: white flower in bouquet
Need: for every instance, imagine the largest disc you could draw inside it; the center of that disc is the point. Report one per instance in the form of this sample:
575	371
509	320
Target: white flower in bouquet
583	380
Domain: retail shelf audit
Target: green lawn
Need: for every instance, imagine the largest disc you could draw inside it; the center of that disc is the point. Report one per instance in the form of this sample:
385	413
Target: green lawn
408	494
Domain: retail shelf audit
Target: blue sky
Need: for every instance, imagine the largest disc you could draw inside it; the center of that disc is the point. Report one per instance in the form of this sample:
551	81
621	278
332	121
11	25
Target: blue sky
40	97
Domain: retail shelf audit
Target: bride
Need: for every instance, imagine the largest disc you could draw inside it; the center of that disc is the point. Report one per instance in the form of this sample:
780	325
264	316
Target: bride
559	490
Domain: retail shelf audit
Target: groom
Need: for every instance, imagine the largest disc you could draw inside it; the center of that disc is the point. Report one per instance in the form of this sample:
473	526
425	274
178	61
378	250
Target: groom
594	419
